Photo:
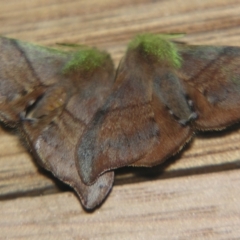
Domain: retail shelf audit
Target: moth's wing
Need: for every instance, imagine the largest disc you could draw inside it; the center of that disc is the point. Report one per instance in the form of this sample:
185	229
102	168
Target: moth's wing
133	126
54	136
54	147
25	72
173	115
211	76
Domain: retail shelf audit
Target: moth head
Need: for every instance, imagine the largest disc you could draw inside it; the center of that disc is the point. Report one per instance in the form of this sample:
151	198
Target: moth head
85	60
157	48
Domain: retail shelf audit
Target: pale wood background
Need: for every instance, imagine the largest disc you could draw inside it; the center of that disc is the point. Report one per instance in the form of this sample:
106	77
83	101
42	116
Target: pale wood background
195	195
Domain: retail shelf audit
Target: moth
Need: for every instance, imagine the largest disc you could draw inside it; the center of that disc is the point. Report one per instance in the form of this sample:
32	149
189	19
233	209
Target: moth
82	119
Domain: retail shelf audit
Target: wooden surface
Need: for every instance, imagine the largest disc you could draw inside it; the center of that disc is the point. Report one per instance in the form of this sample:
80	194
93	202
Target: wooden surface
195	195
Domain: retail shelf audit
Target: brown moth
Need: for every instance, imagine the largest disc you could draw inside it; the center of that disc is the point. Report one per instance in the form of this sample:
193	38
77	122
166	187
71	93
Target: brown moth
163	92
50	96
82	121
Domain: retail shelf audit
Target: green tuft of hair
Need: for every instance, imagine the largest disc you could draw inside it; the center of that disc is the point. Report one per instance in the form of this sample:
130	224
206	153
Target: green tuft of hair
85	59
159	46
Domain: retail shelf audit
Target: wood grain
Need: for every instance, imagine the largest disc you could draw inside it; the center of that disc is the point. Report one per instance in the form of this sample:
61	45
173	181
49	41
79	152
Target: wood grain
195	195
183	208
